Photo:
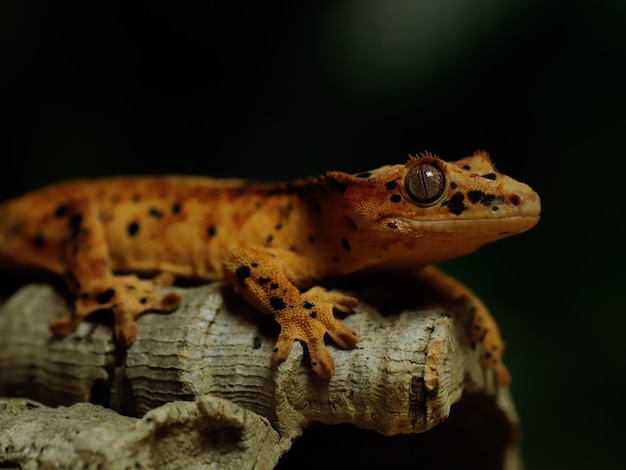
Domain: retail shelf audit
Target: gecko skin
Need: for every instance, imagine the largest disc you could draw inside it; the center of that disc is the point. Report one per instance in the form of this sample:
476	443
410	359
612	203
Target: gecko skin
272	242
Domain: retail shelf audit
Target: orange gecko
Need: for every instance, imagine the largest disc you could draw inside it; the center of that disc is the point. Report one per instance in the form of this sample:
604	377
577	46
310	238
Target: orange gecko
273	242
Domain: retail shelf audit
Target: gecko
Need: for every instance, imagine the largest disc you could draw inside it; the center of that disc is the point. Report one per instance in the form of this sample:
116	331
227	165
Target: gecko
116	242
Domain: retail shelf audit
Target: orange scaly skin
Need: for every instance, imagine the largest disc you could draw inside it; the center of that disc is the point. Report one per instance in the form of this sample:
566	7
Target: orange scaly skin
272	242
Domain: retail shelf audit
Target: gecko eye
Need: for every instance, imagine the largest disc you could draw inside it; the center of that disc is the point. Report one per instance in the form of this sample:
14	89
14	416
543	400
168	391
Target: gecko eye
425	183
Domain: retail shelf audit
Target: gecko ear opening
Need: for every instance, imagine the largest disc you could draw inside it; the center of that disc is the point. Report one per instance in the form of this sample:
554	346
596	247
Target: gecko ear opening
425	182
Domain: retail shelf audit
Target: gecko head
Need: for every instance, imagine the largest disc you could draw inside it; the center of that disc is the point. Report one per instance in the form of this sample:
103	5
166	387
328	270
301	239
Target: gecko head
444	208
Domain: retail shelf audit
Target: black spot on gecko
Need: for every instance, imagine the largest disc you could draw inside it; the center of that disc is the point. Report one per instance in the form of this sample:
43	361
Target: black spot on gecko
60	211
78	235
340	187
344	244
278	226
456	205
364	174
176	207
313	315
487	199
105	297
242	273
264	280
395	198
136	198
211	231
39	241
310	239
467	167
133	229
274	285
391	185
143	300
489	176
308	305
334	259
475	196
453	185
269	239
76	220
277	303
254	265
156	213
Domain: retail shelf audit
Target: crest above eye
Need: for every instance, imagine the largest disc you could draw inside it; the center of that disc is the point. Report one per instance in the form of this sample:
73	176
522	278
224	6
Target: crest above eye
425	183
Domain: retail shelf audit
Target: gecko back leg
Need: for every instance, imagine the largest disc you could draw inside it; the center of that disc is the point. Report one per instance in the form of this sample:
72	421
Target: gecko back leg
89	276
481	328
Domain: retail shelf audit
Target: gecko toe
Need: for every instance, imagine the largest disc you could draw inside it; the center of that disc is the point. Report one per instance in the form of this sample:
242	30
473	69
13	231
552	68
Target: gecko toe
162	302
125	329
322	362
283	345
63	326
343	303
343	336
503	376
339	301
163	280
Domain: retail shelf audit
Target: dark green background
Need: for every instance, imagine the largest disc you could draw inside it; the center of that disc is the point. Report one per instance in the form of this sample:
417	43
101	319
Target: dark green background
276	90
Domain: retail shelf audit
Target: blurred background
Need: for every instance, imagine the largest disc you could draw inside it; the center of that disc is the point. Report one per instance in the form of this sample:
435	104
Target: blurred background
281	90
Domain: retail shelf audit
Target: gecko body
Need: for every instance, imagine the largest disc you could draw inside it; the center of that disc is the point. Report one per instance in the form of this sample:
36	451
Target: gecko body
117	241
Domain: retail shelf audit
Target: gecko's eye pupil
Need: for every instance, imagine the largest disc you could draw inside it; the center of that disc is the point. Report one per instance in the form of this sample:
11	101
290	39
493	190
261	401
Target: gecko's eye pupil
425	183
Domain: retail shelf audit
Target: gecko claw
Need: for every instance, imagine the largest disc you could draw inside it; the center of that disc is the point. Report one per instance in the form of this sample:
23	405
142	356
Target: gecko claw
63	326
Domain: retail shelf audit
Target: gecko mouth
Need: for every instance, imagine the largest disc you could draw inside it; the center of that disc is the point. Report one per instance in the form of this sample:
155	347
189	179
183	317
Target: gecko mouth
504	225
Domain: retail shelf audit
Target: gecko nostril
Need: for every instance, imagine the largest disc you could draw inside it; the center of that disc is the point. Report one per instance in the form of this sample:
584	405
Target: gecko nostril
515	199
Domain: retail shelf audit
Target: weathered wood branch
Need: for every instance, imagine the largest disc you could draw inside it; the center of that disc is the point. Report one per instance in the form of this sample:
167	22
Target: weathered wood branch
208	432
214	354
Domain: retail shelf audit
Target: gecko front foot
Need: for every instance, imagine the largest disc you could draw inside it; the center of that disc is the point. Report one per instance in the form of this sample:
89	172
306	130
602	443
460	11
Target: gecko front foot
310	322
127	296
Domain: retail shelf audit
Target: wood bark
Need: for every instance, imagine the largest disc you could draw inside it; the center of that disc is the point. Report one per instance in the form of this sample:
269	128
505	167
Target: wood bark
198	386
